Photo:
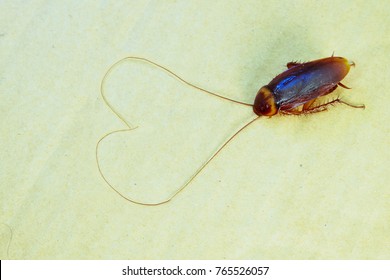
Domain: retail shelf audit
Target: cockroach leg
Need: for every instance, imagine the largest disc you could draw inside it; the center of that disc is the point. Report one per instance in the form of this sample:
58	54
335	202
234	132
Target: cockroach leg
290	112
292	64
307	109
307	105
323	107
352	105
297	112
344	86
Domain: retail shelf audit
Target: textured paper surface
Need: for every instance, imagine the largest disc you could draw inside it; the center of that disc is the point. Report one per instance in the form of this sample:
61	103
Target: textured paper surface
310	187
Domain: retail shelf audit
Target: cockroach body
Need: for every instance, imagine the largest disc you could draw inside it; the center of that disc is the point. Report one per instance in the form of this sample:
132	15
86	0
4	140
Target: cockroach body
302	84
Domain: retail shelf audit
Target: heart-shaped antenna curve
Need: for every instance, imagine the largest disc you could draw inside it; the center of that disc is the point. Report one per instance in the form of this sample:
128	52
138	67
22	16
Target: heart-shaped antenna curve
129	128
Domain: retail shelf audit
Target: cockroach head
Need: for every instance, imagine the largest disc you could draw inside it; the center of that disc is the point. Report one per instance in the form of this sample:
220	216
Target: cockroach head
265	104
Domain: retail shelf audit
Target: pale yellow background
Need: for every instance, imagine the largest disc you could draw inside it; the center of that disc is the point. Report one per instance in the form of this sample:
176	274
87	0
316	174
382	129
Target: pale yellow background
310	187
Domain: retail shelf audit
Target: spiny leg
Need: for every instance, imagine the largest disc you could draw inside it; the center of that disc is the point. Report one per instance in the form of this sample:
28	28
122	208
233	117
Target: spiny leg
344	86
297	112
323	107
307	105
319	108
292	64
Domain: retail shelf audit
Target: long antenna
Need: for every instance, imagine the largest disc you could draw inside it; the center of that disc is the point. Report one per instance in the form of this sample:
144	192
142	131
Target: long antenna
185	184
102	92
130	127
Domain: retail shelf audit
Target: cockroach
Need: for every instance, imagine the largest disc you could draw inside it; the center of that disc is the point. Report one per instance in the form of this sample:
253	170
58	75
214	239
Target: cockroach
303	84
293	92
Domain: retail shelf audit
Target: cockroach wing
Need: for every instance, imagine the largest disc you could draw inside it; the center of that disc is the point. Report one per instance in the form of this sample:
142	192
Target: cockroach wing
307	81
